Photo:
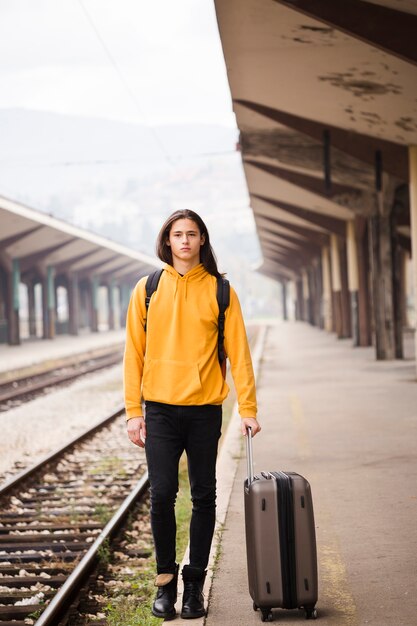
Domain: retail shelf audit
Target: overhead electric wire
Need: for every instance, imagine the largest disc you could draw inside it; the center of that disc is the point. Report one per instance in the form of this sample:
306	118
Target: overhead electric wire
123	80
183	157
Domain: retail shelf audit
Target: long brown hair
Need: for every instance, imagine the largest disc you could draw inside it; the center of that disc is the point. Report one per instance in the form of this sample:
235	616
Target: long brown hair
207	256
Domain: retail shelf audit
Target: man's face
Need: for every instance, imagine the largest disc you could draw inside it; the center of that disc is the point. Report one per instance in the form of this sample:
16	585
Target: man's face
185	241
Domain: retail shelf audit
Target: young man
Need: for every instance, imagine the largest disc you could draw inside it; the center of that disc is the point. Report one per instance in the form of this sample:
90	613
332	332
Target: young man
171	362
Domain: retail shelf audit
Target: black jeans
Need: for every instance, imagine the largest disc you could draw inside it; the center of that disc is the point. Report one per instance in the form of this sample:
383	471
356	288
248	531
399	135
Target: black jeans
170	430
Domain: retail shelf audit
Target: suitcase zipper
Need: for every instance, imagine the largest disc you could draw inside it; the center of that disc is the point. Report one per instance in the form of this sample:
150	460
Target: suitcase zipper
287	540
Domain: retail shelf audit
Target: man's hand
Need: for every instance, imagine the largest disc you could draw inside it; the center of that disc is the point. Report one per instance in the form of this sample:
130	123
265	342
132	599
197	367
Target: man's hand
136	430
252	423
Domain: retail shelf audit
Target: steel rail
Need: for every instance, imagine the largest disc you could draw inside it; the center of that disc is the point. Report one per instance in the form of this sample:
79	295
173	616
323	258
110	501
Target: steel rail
19	375
101	363
55	609
12	482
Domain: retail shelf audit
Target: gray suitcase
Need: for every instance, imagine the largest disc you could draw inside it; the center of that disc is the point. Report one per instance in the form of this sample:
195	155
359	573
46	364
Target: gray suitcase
280	541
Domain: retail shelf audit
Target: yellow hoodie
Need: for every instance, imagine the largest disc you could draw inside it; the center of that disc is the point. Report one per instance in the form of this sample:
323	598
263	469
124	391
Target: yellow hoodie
175	360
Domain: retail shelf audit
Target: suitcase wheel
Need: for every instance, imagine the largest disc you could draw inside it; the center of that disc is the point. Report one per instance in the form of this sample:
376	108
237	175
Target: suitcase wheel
255	606
266	615
311	613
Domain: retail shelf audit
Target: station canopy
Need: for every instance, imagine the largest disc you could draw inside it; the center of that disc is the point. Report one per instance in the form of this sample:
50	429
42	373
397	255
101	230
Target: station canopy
325	97
39	240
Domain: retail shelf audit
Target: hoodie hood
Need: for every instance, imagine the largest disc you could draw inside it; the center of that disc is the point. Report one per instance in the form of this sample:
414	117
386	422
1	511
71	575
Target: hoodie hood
196	274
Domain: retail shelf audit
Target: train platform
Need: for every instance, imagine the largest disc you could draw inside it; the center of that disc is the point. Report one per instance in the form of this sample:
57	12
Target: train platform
349	424
35	355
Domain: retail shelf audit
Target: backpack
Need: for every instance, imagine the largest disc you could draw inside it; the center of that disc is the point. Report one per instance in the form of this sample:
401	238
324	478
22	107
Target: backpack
223	300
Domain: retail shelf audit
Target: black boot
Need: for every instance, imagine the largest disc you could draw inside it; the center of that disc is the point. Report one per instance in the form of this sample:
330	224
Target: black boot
166	596
193	599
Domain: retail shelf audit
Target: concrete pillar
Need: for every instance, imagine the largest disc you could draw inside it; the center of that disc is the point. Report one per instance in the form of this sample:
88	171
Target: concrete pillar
94	285
56	301
50	274
353	279
124	303
336	285
346	310
381	257
402	270
397	288
314	294
318	293
327	290
31	308
284	300
13	281
3	304
300	300
408	290
292	299
364	297
48	303
306	296
110	297
85	306
413	216
73	304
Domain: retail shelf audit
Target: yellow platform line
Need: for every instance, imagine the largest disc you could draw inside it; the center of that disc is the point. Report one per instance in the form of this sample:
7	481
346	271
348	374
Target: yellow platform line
335	598
298	418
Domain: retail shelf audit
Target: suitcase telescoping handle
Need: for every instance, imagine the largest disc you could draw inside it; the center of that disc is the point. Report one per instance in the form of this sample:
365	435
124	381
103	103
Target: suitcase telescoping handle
249	454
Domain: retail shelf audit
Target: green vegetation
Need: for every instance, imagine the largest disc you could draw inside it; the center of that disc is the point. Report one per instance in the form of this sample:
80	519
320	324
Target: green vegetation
36	614
104	553
109	464
135	609
102	513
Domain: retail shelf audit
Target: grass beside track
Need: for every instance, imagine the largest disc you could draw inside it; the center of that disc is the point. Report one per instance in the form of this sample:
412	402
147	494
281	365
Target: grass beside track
135	609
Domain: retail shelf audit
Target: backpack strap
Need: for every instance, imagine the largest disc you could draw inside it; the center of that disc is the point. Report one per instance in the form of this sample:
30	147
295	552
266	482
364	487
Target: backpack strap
223	300
151	286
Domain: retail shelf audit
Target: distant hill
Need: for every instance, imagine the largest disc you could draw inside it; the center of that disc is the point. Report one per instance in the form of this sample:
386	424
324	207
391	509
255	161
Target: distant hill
111	176
35	138
121	180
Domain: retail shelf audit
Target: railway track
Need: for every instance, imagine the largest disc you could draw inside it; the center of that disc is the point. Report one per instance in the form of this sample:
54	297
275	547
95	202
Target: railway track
13	392
57	519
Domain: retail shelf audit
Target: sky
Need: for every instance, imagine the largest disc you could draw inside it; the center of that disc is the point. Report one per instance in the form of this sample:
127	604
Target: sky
67	65
148	62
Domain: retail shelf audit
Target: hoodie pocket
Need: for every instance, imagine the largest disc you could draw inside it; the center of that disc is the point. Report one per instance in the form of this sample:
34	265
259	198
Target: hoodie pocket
173	382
